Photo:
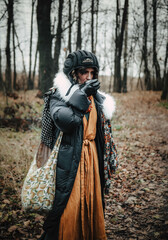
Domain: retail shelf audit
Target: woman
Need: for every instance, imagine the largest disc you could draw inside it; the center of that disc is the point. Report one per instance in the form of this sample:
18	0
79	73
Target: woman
79	110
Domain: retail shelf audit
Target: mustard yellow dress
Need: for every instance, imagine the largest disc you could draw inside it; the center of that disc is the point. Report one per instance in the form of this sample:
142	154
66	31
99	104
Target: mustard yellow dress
83	217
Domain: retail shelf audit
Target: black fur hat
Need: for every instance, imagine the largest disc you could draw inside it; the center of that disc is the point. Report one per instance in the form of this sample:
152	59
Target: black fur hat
80	59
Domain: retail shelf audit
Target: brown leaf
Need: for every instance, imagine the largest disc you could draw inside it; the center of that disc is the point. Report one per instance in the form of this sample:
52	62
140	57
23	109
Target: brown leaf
39	218
12	228
26	223
6	201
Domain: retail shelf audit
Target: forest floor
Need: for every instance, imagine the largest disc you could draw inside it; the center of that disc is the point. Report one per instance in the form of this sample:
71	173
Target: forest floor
137	205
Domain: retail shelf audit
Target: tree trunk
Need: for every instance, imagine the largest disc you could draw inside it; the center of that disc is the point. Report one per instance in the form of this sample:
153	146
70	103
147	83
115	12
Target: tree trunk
92	26
125	56
70	28
165	77
14	55
8	76
1	77
58	39
116	45
96	35
44	44
139	83
79	37
35	63
110	82
155	60
21	51
30	81
119	46
145	51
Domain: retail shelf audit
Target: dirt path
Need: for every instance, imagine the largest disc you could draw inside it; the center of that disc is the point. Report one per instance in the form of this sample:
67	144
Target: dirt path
137	207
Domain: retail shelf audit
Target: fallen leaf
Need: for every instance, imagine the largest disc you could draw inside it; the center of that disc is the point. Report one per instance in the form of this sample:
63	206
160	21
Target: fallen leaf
156	234
26	223
6	201
131	200
12	228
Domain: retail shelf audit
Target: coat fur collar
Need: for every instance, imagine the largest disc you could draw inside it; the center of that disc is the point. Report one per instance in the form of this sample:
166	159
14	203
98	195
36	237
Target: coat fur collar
62	83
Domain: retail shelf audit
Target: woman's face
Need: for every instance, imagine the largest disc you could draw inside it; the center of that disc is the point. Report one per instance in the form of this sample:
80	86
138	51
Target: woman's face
85	75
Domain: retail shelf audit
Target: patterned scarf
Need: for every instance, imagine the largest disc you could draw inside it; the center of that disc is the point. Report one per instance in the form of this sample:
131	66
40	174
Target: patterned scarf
110	154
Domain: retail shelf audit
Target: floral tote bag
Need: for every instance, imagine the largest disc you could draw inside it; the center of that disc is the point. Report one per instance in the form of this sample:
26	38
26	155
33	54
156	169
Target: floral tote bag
39	186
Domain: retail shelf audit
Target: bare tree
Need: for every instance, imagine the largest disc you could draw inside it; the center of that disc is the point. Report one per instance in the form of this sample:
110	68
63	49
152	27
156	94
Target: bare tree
116	45
119	45
96	34
58	38
70	28
165	77
1	77
8	77
22	54
79	37
92	26
14	54
35	63
44	44
155	59
145	49
30	84
125	56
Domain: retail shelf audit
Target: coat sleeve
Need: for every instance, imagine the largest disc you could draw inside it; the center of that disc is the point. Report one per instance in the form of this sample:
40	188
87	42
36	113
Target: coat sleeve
68	115
79	101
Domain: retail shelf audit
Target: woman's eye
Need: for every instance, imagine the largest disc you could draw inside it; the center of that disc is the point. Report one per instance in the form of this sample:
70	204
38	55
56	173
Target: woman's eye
83	72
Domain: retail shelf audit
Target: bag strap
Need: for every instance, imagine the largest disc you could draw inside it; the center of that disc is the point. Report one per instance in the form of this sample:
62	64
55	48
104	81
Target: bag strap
43	152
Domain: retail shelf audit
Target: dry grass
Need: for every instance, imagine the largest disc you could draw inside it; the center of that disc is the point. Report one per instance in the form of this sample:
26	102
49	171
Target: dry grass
16	153
18	147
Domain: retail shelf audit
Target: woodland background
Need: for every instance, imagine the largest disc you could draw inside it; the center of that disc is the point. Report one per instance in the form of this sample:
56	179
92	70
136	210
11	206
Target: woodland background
130	39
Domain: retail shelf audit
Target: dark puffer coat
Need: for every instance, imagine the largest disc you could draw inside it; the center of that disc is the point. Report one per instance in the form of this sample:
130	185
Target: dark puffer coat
67	111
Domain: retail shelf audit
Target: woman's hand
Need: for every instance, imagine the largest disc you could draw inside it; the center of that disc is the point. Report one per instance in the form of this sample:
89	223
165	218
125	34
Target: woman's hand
90	87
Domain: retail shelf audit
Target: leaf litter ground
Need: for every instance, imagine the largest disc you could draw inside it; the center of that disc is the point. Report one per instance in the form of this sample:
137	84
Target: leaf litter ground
137	205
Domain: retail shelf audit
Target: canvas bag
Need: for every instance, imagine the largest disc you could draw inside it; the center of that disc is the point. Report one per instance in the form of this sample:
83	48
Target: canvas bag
39	186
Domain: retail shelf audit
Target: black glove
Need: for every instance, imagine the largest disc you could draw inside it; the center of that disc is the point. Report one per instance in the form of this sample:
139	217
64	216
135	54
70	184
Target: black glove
90	87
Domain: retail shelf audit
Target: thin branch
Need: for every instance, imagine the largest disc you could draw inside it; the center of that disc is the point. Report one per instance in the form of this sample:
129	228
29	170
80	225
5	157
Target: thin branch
5	3
24	67
63	30
3	15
